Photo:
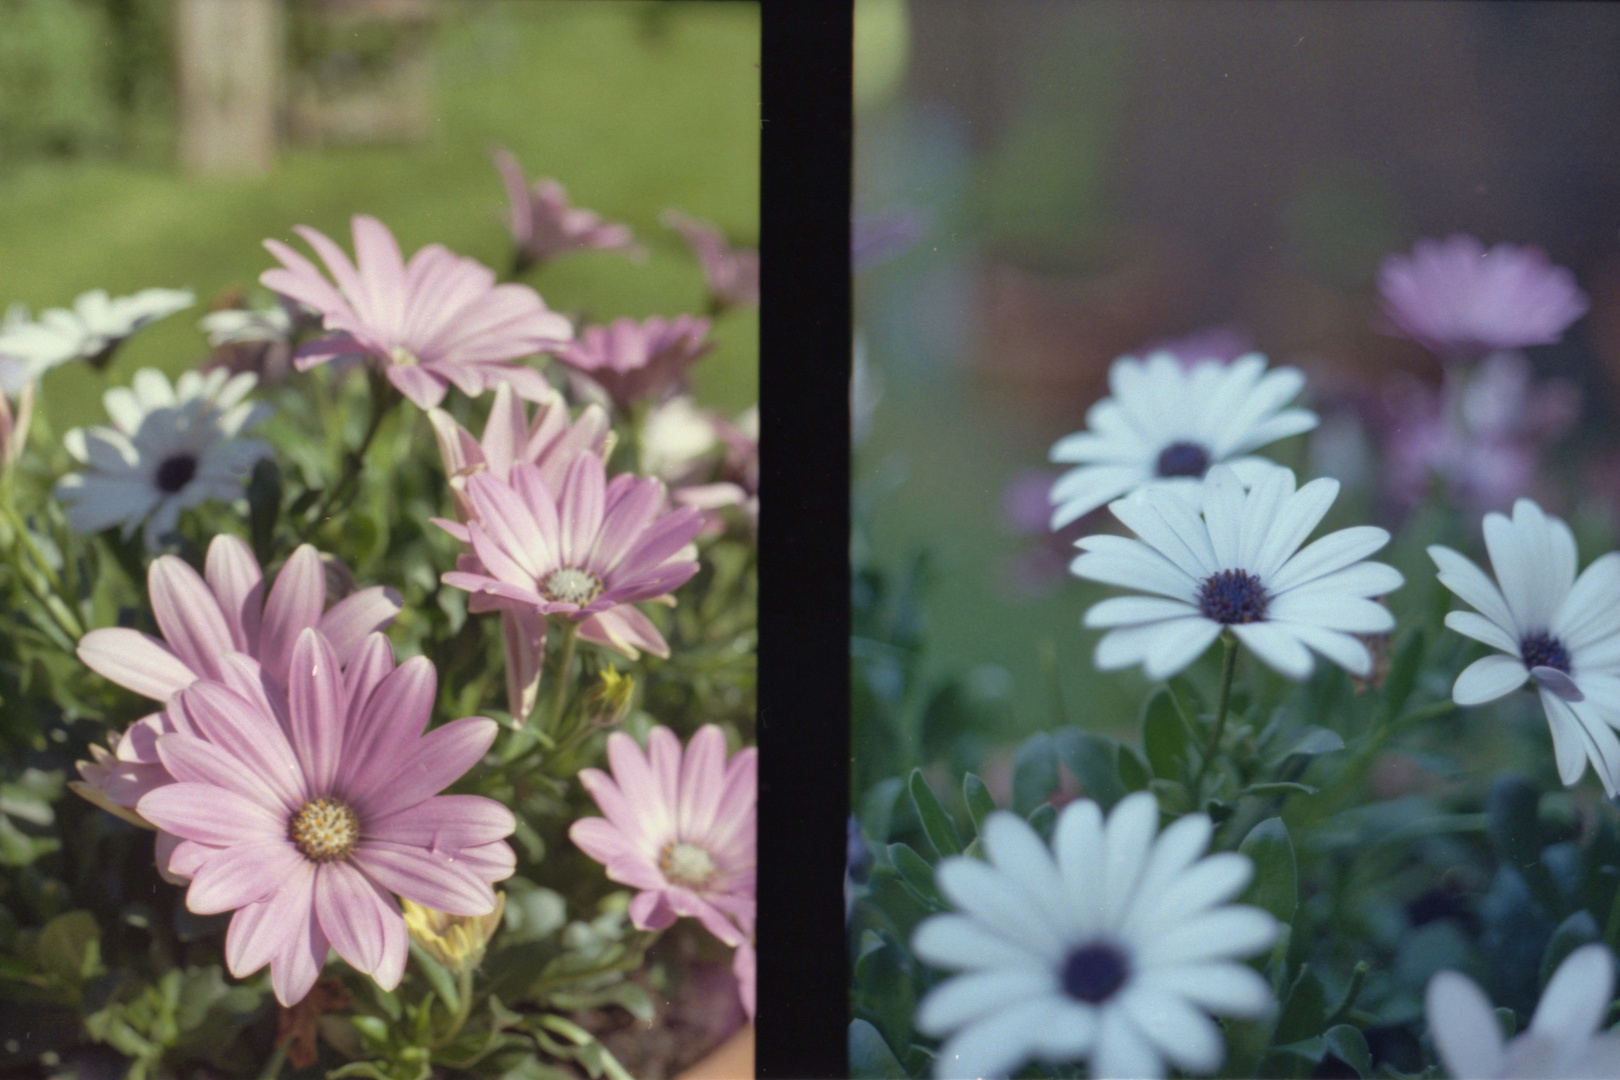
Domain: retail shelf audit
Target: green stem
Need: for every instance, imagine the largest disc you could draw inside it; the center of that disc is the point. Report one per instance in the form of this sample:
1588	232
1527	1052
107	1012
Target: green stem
383	399
278	1058
458	1019
1228	668
559	680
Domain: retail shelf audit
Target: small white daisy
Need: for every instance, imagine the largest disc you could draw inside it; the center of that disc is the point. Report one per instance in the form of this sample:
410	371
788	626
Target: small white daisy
169	448
1237	566
240	326
1562	1041
92	331
1560	632
1167	423
1111	947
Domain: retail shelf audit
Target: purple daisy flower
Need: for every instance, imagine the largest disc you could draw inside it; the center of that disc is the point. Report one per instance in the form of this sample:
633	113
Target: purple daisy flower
437	320
732	273
587	553
306	812
680	828
633	360
1460	301
544	226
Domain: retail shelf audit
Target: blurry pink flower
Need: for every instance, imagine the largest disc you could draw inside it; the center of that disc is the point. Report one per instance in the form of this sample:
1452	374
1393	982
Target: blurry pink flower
205	618
1482	435
633	360
676	443
305	812
682	830
732	273
1041	565
586	553
544	226
1460	301
440	319
551	441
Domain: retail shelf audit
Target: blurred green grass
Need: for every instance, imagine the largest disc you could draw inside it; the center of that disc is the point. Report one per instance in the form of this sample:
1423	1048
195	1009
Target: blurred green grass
634	107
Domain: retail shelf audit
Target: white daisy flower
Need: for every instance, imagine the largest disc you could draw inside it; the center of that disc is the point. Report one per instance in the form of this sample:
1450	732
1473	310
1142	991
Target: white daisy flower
1562	1041
1560	632
169	448
1167	423
241	326
1111	947
1238	566
92	331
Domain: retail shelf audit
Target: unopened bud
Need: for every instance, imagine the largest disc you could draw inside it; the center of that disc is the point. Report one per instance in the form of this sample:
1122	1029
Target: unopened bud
456	941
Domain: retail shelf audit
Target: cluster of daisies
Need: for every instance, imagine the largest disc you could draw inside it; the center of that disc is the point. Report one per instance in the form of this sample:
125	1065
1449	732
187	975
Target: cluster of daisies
1115	943
290	769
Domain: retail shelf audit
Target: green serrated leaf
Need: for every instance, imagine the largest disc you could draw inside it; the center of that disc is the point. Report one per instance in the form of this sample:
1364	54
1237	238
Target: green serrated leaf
1275	885
1035	773
937	825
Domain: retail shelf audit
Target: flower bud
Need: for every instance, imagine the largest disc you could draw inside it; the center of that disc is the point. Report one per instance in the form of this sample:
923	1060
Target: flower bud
456	941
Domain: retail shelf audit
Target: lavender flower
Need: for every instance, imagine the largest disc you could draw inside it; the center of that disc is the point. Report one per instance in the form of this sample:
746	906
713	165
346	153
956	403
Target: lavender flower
544	226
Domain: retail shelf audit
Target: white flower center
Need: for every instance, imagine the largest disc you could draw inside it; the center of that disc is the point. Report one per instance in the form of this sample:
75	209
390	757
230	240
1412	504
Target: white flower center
686	864
324	830
571	586
402	357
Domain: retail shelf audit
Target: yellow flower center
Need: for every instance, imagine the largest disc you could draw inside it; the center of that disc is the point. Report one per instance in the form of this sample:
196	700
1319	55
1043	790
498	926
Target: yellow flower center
403	357
570	586
324	830
686	864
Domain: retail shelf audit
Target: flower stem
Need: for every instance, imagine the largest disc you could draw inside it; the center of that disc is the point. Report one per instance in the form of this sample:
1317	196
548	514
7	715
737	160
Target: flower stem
458	1019
559	681
278	1058
1228	668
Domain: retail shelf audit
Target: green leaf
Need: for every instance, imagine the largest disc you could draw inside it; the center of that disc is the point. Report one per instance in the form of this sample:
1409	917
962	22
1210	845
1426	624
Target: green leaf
70	947
1275	885
1165	737
937	825
1094	760
1311	742
1577	930
1278	787
1035	773
437	977
1349	1045
1043	819
1509	1021
887	993
869	1056
1134	773
979	803
264	506
916	875
1405	662
1304	1010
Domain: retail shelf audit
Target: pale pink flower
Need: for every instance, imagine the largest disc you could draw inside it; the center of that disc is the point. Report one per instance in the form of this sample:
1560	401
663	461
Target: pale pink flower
633	360
438	320
1460	301
680	828
732	273
586	553
306	811
544	226
205	617
738	481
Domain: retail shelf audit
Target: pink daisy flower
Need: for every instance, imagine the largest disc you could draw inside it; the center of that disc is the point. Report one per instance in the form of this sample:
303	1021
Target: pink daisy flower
587	553
306	812
550	442
438	320
732	273
544	226
205	617
1458	300
681	828
633	360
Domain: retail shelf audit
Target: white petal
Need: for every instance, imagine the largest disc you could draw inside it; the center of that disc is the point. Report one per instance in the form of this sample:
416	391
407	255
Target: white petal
1336	645
979	891
1223	987
1132	610
1597	738
1592	609
1577	996
968	997
1225	933
1127	841
1014	849
958	941
1489	678
1527	558
1568	739
1188	549
1298	517
1463	1026
1474	625
1210	883
993	1046
1078	845
1188	1038
1123	1052
1323	556
1136	566
1281	426
1469	582
1223	513
1332	609
1277	645
1125	647
1096	448
1080	491
1266	500
1178	643
1069	1032
1175	850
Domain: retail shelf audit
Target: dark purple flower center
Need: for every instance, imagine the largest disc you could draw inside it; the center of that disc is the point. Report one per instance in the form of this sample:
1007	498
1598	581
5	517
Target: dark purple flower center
1182	459
1094	972
1541	649
176	472
1232	596
324	830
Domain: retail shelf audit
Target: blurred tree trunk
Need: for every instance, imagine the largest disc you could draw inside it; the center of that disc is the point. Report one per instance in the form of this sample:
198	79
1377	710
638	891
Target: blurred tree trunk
228	53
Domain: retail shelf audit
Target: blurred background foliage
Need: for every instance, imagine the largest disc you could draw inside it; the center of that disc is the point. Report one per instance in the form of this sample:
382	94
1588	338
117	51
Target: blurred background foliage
634	107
